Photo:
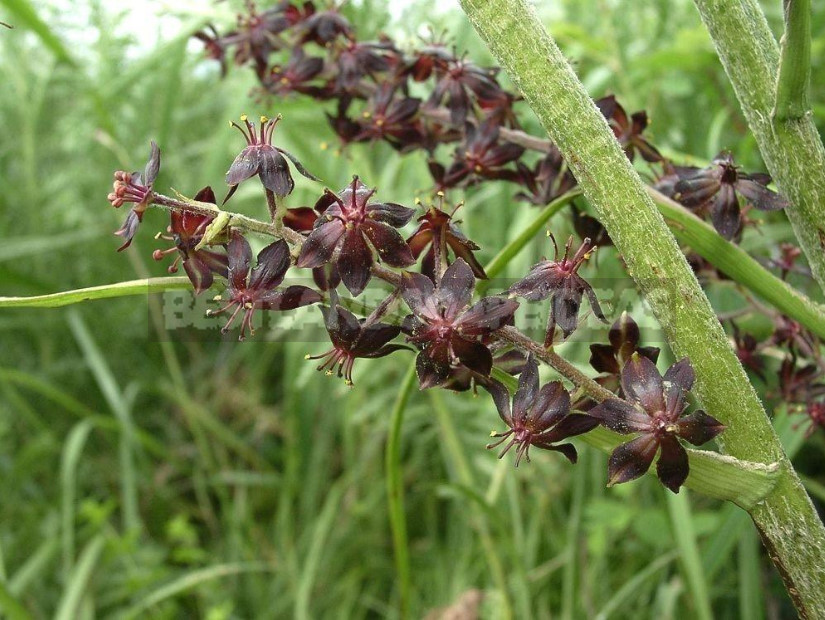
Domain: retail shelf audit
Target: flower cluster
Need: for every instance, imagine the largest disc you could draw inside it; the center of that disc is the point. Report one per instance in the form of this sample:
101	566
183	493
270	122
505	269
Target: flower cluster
460	338
297	49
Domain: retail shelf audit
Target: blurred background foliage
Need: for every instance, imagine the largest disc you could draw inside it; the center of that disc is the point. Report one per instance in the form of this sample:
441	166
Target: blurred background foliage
143	475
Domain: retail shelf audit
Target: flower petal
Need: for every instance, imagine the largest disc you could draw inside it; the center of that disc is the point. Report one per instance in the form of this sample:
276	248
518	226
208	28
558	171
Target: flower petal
621	417
631	460
273	263
539	283
501	397
199	273
274	171
373	337
642	383
288	298
564	307
681	373
418	292
528	387
342	326
455	289
389	213
473	355
389	244
150	172
699	427
603	359
321	243
355	262
246	165
760	196
570	426
725	213
551	405
432	366
672	467
487	315
239	256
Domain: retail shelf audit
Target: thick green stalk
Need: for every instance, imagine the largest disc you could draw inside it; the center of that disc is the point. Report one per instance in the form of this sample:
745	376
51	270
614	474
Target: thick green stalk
786	518
794	62
791	148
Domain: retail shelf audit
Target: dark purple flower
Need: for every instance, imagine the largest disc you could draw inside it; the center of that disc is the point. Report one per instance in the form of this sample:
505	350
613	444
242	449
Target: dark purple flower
320	27
358	60
654	408
628	131
549	179
444	326
588	227
480	156
294	77
353	338
747	350
462	379
136	188
458	82
540	416
437	231
390	118
624	342
252	289
186	230
815	410
716	188
560	280
351	224
262	158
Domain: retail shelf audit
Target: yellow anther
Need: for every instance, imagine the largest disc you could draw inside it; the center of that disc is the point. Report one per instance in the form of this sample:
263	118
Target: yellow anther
324	146
217	298
307	356
492	433
440	193
328	373
264	119
244	117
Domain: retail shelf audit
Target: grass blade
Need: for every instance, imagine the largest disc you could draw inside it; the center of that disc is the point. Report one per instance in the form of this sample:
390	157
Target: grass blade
77	586
681	522
395	492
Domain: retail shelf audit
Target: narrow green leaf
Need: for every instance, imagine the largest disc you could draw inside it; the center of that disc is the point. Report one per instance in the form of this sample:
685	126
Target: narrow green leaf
681	522
189	581
78	584
105	291
25	16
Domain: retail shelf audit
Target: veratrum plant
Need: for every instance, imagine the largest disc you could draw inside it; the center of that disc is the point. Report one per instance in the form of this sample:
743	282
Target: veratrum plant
439	311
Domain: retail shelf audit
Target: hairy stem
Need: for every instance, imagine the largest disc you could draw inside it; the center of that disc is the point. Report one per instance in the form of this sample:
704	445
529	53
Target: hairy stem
791	148
522	46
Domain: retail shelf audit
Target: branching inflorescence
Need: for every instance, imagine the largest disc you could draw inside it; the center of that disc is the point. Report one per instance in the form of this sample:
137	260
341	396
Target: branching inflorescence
350	237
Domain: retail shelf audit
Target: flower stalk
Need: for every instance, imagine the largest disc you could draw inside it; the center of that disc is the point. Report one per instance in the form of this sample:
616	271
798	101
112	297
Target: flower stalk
786	518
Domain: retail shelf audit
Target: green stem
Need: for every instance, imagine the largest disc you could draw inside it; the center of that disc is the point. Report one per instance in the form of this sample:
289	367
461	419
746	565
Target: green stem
794	62
786	518
791	148
737	264
105	291
395	492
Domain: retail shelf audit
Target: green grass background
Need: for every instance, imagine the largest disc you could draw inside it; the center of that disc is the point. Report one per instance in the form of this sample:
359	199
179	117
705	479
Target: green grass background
147	476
